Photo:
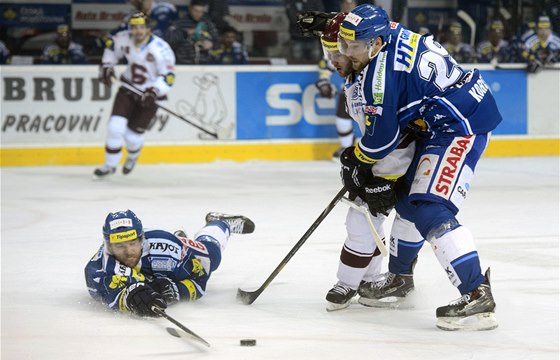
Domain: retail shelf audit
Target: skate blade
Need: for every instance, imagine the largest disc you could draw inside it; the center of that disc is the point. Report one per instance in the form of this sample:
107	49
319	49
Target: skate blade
390	302
335	307
477	322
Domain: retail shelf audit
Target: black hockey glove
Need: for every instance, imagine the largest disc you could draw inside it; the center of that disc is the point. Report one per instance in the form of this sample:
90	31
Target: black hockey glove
312	23
380	195
325	88
141	299
148	98
353	172
106	74
167	288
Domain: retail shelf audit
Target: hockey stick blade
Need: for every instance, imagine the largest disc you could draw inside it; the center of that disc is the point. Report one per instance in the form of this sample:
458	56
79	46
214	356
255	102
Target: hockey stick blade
186	330
248	297
174	332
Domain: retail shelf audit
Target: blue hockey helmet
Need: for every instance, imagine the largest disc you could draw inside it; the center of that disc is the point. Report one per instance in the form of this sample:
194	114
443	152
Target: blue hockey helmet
122	226
366	22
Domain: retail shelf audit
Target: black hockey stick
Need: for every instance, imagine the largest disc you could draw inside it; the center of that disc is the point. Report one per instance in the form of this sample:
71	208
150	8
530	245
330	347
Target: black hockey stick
179	325
248	297
130	87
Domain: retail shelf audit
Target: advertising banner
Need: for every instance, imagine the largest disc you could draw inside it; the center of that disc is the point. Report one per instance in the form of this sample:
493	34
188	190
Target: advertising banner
509	88
59	105
40	16
283	105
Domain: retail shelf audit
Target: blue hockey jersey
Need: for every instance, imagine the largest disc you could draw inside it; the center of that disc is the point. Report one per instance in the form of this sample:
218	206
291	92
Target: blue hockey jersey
189	263
413	77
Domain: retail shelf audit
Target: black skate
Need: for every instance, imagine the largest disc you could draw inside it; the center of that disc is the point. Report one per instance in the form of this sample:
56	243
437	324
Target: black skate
238	224
128	166
104	171
472	311
339	297
389	292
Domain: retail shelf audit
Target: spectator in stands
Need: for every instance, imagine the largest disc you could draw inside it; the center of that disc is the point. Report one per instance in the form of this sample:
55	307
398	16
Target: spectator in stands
495	49
193	37
542	48
460	51
161	14
63	50
218	11
302	49
230	51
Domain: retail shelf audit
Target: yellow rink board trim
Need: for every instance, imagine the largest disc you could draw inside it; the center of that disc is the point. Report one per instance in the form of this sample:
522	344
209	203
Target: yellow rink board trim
155	154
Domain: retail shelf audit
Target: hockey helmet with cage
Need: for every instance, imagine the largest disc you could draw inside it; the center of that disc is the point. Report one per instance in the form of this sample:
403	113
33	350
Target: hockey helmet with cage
362	26
122	226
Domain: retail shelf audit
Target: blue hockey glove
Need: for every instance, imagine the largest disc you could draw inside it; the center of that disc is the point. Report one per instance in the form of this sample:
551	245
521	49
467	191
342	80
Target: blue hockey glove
167	288
353	172
141	299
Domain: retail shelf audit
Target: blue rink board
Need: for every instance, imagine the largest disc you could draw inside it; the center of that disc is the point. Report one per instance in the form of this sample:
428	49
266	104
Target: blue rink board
281	96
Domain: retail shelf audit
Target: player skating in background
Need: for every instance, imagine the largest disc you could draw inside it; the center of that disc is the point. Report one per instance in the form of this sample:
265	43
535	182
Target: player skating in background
404	76
360	260
151	68
137	269
343	121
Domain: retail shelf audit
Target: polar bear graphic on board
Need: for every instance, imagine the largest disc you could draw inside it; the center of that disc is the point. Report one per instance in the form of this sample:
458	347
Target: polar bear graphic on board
209	107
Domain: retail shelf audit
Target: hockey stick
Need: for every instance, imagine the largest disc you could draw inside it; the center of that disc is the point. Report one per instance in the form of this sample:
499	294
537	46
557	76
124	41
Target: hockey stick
380	244
470	22
179	325
248	297
220	134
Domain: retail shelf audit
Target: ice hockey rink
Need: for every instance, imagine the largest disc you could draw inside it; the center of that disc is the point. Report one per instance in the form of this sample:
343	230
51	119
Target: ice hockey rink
51	225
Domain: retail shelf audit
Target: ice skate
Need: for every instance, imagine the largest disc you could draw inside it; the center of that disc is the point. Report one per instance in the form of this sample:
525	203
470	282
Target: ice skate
390	292
472	311
104	171
238	224
339	297
128	166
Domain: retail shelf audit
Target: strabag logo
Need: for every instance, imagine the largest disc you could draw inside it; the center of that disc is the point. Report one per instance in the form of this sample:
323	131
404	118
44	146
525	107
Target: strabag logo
453	159
407	43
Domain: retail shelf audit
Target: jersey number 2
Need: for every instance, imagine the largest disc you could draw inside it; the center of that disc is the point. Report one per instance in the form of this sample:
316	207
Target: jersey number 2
436	62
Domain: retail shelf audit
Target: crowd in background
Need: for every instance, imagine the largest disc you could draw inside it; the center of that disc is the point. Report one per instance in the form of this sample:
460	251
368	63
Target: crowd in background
205	34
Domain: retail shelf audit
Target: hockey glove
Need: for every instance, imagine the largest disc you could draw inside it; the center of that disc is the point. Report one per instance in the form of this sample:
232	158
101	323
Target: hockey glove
141	299
380	195
167	288
106	74
353	172
325	88
312	23
148	98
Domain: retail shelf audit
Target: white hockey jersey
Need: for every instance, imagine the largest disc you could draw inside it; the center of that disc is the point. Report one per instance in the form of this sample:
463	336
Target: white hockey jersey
150	65
397	162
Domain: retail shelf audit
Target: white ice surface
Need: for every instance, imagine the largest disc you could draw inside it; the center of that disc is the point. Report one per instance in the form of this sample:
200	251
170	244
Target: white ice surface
51	220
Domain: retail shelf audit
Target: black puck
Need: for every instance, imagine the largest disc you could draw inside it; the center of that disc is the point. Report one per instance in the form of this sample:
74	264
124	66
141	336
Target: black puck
248	342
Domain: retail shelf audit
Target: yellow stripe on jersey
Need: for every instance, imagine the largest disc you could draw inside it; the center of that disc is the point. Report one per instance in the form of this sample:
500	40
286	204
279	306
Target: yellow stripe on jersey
191	288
